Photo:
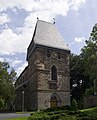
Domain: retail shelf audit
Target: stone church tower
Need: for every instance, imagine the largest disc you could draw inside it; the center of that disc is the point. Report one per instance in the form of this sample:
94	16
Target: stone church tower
45	82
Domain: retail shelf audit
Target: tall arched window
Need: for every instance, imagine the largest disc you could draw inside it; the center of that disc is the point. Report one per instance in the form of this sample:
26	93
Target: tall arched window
53	73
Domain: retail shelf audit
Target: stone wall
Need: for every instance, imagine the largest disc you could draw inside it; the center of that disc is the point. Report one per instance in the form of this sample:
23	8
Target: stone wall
44	65
44	99
90	101
37	78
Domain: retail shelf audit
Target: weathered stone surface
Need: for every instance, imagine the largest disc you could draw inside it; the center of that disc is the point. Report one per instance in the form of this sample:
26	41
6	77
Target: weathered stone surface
90	101
36	80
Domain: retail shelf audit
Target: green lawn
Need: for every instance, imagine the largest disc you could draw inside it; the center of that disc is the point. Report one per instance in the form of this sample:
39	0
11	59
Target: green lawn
23	112
89	109
22	118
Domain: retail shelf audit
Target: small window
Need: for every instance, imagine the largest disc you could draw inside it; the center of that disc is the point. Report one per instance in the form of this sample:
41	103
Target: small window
53	73
59	56
48	53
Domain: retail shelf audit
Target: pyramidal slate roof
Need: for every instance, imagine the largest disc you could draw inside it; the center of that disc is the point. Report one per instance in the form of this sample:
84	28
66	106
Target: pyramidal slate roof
46	34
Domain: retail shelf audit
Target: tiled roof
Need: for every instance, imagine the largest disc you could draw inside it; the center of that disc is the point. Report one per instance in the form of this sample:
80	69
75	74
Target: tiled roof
46	34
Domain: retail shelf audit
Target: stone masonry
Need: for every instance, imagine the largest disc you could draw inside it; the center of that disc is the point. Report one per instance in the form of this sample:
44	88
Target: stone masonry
45	82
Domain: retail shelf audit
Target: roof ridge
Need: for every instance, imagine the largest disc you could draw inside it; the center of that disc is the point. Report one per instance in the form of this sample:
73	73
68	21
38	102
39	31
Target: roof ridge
45	21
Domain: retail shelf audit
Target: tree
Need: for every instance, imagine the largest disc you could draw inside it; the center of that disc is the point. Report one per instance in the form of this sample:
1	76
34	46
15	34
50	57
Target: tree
83	68
77	77
89	56
7	78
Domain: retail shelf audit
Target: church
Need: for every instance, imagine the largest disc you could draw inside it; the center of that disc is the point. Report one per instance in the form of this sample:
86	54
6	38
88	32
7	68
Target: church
45	82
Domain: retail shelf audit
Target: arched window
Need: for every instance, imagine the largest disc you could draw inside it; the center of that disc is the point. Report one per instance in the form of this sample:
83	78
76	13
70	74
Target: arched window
53	73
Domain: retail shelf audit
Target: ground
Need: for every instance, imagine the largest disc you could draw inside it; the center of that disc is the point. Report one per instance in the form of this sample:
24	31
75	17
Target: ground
5	116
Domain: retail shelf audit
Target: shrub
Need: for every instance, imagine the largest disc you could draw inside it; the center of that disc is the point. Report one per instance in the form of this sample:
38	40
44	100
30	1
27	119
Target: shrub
71	112
86	118
39	117
63	114
81	114
50	113
68	118
74	104
58	108
89	92
54	117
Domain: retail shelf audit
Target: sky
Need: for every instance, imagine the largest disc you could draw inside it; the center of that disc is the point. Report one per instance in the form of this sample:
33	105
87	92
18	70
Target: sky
74	21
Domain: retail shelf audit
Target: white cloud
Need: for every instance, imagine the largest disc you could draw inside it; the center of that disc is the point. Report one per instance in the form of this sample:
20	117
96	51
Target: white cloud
79	39
30	5
53	6
4	18
14	43
46	10
76	4
16	62
11	42
21	68
2	59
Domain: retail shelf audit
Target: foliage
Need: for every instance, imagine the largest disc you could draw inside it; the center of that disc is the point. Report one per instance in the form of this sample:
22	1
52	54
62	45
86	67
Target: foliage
78	77
91	113
74	104
89	92
89	57
83	68
7	77
58	108
1	103
39	116
64	114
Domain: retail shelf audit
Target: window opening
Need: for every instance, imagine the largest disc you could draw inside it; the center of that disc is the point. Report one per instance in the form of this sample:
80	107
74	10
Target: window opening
53	73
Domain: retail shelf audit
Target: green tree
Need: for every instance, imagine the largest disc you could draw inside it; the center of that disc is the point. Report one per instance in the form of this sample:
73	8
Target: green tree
77	81
83	69
84	66
1	103
7	78
89	57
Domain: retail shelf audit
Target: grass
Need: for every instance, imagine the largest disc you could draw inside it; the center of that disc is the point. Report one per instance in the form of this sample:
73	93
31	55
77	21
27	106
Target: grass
22	118
91	112
89	109
25	112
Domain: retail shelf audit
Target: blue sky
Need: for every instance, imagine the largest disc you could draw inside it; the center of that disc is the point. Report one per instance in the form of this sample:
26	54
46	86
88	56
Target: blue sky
74	20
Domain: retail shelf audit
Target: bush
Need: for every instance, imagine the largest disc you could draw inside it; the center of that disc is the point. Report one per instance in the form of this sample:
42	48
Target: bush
81	114
39	117
89	92
74	104
86	118
72	112
68	118
50	113
54	117
63	114
58	108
